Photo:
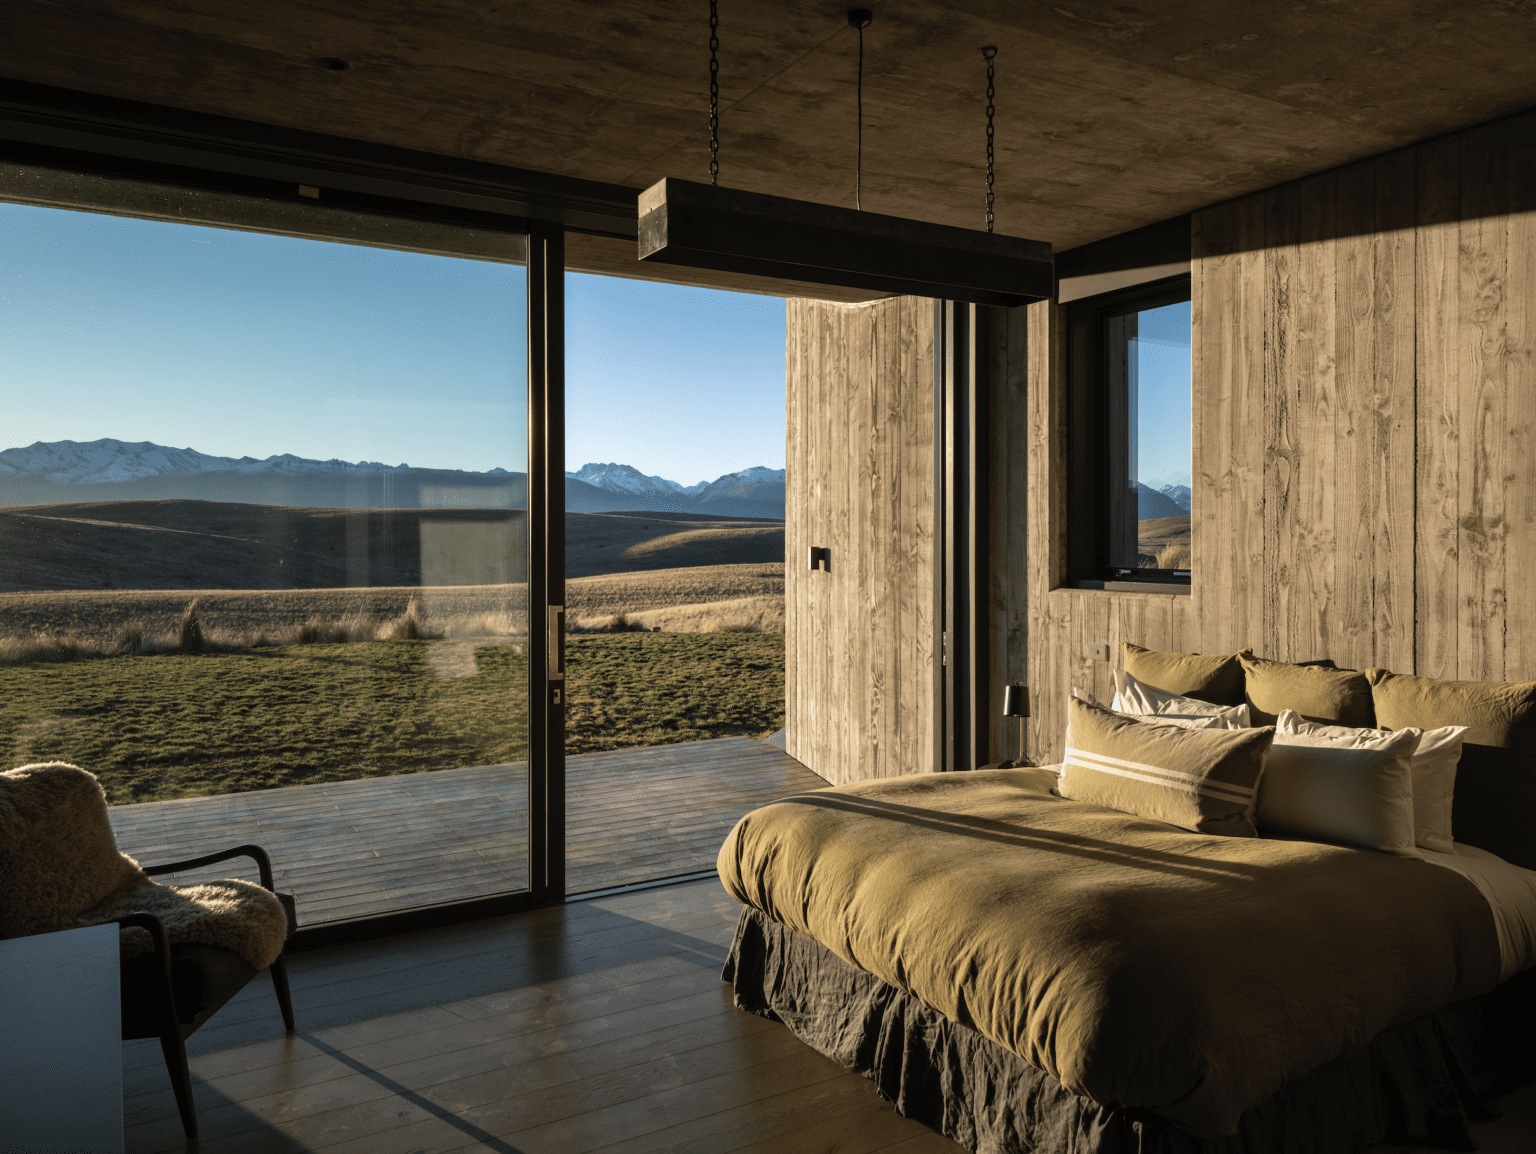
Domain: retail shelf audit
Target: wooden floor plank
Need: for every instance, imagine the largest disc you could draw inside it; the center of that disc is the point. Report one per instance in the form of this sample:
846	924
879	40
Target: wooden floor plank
358	848
769	1122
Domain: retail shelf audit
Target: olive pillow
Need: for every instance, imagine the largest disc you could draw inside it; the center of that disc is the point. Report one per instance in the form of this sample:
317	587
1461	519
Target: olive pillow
1331	696
1218	679
1495	802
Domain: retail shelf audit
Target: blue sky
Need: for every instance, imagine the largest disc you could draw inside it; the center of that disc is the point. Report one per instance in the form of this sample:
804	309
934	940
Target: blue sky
1162	378
237	343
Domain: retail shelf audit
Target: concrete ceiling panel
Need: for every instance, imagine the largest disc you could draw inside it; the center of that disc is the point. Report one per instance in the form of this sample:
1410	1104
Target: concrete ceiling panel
1110	116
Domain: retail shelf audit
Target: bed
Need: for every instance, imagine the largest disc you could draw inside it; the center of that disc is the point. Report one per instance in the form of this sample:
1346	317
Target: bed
1026	972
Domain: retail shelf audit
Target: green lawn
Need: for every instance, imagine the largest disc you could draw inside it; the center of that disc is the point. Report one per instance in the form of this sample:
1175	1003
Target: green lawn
174	725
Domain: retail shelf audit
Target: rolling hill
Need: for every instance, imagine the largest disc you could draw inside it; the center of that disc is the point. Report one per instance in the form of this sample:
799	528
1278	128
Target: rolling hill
193	544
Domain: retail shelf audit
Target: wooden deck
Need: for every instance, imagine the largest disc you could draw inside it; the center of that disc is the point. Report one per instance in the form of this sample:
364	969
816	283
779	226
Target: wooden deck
355	848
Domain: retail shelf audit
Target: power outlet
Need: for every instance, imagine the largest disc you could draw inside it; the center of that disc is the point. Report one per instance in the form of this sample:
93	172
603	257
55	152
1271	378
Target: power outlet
1099	652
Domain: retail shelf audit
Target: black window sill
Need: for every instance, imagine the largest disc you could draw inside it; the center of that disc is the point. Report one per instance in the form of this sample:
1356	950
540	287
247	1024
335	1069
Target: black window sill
1177	588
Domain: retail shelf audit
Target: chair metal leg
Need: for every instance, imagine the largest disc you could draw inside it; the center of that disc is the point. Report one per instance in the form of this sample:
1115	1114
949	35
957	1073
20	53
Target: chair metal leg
175	1051
280	983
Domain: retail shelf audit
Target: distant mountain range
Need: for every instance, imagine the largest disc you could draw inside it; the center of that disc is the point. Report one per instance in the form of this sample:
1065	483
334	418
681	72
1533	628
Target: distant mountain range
628	479
1169	501
757	487
112	470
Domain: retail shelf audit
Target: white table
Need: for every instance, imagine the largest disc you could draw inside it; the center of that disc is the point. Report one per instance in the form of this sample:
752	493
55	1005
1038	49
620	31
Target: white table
61	1043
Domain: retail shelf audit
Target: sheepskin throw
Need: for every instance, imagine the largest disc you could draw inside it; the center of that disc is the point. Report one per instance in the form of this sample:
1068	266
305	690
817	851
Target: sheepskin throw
60	868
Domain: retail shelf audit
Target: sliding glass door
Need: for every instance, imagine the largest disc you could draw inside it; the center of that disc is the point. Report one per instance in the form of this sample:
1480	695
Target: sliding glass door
268	538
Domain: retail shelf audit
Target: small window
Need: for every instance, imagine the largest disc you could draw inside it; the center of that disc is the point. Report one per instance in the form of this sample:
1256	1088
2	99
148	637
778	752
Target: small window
1129	435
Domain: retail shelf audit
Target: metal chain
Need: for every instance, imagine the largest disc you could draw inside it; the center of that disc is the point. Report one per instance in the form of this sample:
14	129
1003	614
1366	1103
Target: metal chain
714	93
989	54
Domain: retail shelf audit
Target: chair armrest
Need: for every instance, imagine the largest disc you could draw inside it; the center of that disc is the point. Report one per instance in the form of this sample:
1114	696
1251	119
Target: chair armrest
157	934
254	852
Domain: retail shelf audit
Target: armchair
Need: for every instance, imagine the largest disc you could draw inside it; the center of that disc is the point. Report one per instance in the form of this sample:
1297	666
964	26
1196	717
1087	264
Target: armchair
186	950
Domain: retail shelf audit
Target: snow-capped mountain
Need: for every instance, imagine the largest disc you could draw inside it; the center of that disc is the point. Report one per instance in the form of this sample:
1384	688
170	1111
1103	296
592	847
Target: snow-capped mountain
754	492
627	479
754	484
1150	503
112	470
1178	494
109	460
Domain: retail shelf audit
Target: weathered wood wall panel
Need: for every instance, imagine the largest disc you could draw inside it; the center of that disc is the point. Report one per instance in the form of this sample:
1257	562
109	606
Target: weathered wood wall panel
1364	389
859	641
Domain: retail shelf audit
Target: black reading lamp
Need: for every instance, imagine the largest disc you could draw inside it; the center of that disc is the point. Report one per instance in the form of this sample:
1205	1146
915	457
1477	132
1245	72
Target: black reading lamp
1016	704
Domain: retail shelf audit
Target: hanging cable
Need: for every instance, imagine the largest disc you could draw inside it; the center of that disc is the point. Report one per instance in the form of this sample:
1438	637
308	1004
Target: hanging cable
989	54
714	92
859	18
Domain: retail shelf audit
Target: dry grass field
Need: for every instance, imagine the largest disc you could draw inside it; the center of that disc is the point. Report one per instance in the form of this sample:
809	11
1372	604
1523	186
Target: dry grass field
1166	540
703	598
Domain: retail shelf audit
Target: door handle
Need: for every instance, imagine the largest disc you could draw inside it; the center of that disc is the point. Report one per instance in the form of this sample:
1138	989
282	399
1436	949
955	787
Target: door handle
556	651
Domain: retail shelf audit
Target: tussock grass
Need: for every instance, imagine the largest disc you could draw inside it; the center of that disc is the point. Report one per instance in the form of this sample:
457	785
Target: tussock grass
189	634
199	630
606	623
71	625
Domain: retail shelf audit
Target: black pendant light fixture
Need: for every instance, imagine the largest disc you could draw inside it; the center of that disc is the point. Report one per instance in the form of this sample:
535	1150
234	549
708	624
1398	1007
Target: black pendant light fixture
705	226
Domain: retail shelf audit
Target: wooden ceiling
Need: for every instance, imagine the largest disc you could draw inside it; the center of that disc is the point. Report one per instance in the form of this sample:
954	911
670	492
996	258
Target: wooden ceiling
1110	116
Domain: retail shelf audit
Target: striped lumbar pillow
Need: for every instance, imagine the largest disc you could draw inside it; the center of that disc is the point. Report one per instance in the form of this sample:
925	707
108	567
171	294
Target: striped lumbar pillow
1204	780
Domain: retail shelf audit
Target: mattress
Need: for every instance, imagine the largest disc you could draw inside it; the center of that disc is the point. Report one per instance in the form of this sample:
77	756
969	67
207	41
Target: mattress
1141	966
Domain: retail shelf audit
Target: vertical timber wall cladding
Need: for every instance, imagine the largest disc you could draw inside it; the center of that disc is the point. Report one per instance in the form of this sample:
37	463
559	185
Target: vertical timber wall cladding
1365	431
859	637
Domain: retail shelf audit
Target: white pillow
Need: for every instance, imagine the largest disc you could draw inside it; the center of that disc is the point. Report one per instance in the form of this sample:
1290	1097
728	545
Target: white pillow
1141	701
1433	768
1355	790
1180	720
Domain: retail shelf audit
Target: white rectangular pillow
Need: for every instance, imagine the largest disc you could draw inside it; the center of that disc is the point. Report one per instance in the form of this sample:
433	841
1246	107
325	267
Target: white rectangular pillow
1433	767
1139	700
1356	791
1177	719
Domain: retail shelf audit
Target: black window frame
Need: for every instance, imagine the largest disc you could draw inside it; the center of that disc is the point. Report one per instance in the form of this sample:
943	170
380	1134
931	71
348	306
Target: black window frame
1090	430
104	136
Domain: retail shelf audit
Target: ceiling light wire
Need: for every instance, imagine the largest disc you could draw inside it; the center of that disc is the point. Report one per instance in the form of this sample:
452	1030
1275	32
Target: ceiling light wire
860	19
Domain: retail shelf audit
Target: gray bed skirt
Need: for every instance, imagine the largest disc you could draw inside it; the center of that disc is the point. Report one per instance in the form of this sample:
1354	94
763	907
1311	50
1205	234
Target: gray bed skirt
1419	1082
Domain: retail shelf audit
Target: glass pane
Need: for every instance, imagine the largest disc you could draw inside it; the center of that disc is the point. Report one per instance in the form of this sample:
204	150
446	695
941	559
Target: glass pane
1149	457
675	574
263	499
